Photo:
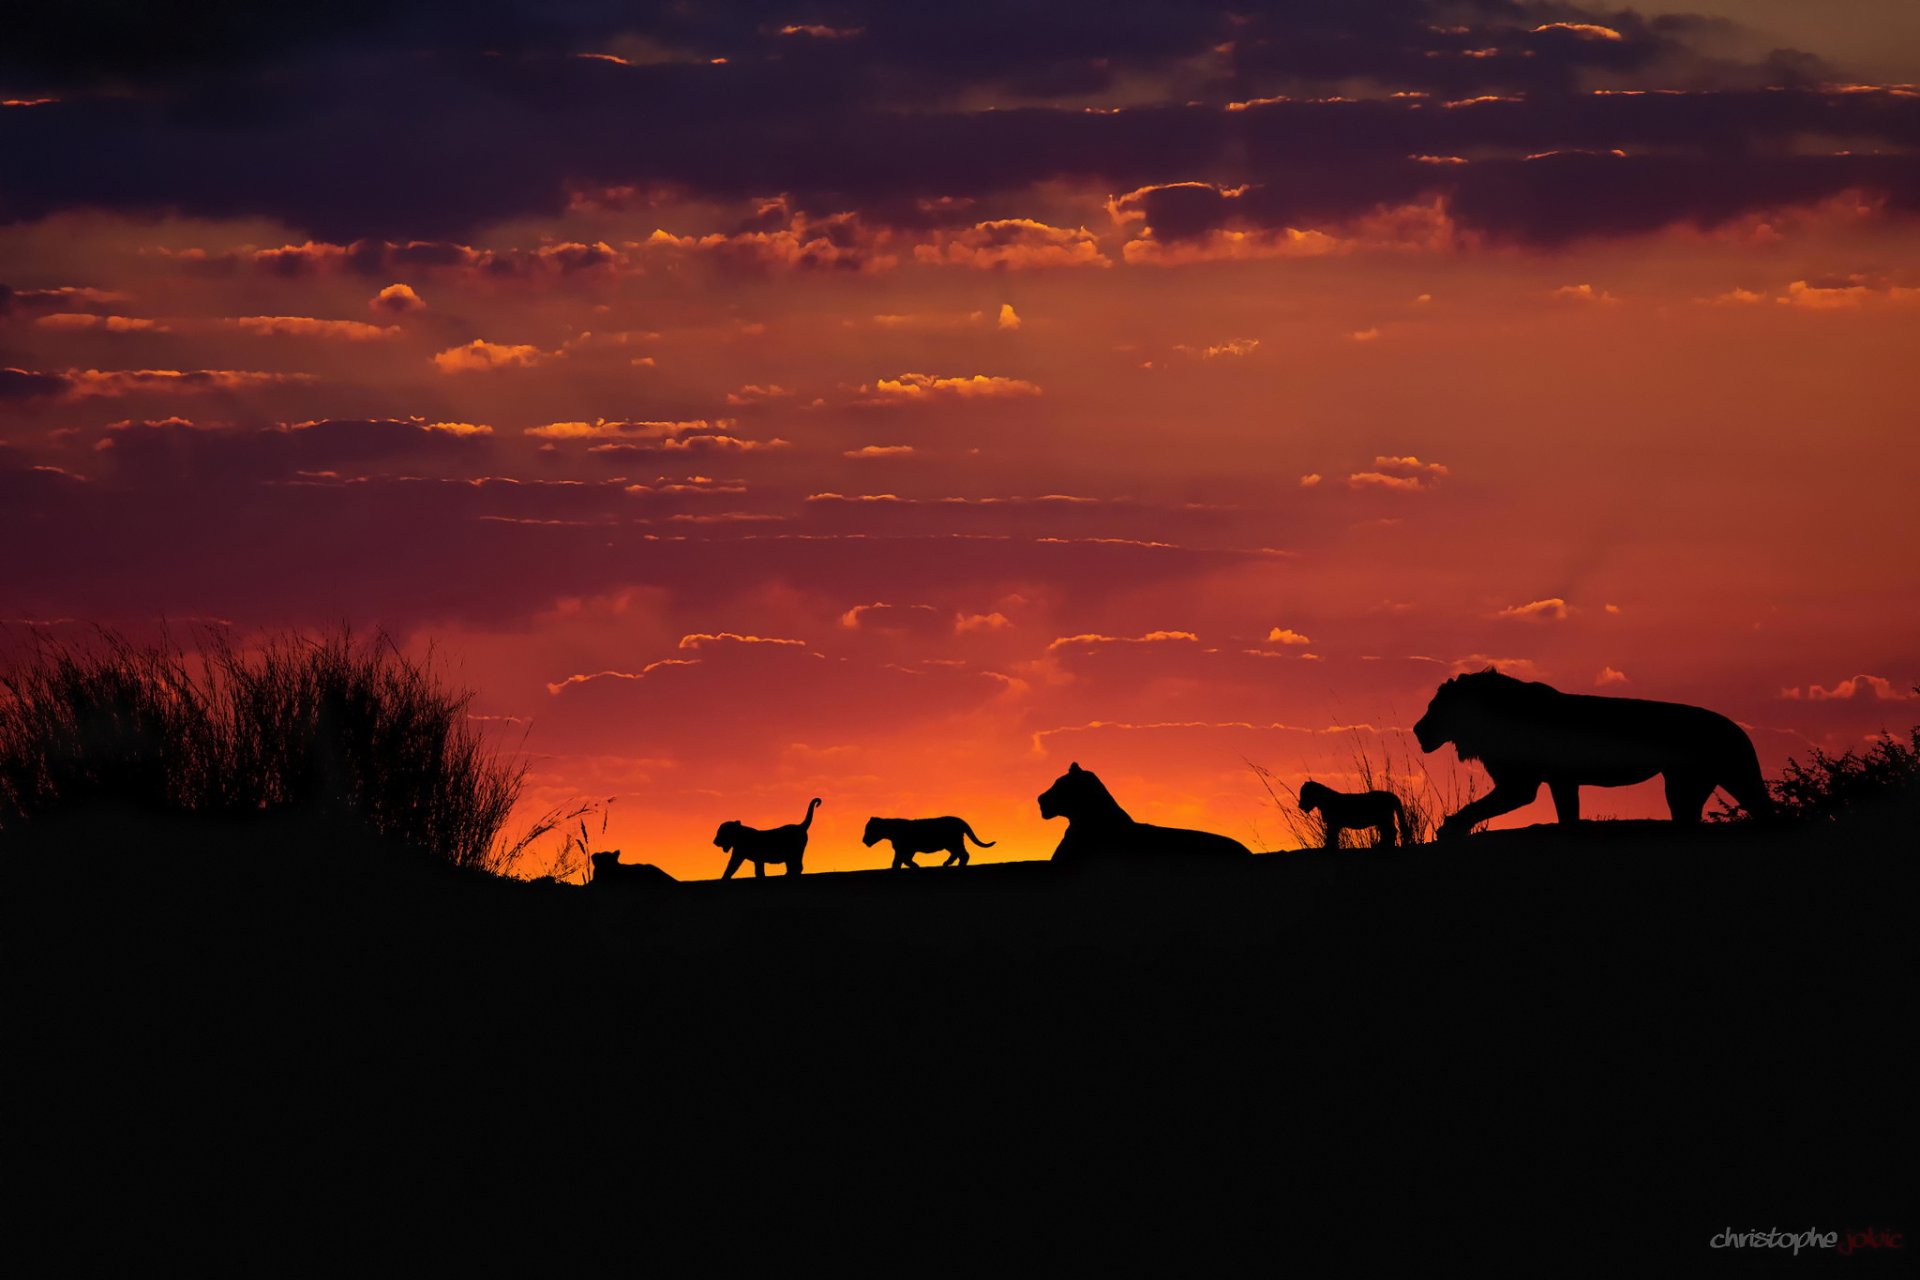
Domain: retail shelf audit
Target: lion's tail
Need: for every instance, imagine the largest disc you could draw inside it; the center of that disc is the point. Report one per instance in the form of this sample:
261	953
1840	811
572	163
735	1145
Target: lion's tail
984	844
1750	786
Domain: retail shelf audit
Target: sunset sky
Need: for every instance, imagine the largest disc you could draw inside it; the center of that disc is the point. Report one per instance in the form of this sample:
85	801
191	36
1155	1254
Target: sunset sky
891	403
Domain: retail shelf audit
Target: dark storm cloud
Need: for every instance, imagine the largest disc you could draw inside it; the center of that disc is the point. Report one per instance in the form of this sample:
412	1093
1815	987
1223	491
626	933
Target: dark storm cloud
178	450
29	384
422	121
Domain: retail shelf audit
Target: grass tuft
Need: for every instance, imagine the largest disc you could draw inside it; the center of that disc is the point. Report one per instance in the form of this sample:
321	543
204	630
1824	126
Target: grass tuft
348	735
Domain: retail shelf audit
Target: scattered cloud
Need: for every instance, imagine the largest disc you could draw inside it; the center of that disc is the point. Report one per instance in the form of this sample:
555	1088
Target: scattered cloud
1881	689
555	687
753	393
1093	641
1583	293
83	321
1283	635
1013	244
706	639
1552	609
1232	347
340	330
916	388
479	356
879	451
396	299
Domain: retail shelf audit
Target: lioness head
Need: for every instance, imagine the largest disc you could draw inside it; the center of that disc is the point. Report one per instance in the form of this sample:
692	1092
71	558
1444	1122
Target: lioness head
1061	798
727	836
872	832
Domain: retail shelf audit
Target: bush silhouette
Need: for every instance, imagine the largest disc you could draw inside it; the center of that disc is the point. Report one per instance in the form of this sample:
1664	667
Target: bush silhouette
1881	783
350	736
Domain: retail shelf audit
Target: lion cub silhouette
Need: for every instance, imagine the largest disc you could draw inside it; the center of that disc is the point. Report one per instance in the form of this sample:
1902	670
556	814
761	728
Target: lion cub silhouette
786	844
909	836
1380	811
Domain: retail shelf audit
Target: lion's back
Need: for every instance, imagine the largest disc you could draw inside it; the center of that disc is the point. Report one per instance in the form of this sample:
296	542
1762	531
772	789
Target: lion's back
1590	730
922	835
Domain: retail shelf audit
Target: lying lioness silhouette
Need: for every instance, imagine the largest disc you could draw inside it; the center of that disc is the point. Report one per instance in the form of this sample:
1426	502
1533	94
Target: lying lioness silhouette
609	870
909	836
750	844
1526	734
1098	828
1380	811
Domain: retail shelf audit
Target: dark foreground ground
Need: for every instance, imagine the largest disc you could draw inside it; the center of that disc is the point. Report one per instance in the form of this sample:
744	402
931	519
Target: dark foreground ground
1529	1051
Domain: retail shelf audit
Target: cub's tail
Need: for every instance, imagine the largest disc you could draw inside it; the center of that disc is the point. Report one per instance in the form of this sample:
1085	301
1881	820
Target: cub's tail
984	844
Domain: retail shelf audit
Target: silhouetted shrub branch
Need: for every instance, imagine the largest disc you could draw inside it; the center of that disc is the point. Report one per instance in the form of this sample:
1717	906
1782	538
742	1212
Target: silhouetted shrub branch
1884	780
347	734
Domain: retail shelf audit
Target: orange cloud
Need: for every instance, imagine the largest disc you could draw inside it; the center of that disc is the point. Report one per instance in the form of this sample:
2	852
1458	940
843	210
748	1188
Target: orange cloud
1282	635
121	382
1855	294
80	322
966	622
1882	689
603	429
753	393
1229	245
1231	347
1583	293
720	444
912	388
1013	244
1090	641
704	639
1552	609
789	239
1585	30
879	451
308	327
396	299
479	356
554	688
1610	676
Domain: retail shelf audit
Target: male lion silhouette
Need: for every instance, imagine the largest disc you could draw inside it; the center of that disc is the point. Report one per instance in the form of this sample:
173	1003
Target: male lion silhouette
1526	734
909	836
1099	829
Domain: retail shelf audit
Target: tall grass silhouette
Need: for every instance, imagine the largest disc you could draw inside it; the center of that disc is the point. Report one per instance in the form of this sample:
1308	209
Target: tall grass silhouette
347	735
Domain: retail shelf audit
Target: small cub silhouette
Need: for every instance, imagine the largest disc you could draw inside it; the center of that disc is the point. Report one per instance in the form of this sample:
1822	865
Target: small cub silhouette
1527	735
609	870
1357	811
923	835
750	844
1100	830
